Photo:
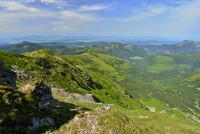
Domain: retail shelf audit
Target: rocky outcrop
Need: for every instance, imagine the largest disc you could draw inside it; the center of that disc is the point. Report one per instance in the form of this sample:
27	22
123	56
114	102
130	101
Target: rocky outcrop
75	96
7	77
41	92
37	122
32	109
43	95
85	98
90	121
21	75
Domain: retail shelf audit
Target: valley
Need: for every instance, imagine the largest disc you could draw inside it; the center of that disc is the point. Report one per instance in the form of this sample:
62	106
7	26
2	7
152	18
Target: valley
105	88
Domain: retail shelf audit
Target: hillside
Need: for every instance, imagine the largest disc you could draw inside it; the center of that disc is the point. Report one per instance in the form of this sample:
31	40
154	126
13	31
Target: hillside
164	77
91	87
32	109
169	79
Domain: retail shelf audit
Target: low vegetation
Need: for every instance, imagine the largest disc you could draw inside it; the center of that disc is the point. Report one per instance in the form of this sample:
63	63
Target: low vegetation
138	93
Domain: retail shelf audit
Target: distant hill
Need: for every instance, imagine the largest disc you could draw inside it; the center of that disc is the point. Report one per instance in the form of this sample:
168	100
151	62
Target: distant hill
22	47
115	49
181	47
122	50
57	47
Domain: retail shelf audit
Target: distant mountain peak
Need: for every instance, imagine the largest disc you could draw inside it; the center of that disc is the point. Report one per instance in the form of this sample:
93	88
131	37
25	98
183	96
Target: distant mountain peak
25	42
186	43
22	47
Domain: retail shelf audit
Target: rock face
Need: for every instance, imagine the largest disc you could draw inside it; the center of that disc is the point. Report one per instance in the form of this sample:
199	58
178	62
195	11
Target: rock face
33	110
41	92
7	77
75	96
37	122
85	98
43	96
20	74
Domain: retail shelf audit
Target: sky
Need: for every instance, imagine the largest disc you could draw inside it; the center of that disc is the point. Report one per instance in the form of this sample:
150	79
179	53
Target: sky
163	18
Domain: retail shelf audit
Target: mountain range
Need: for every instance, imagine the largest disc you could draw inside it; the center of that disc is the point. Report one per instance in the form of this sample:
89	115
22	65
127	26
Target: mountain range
109	88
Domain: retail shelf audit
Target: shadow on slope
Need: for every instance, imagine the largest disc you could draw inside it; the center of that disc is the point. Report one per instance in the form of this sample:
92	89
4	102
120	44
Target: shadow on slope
35	111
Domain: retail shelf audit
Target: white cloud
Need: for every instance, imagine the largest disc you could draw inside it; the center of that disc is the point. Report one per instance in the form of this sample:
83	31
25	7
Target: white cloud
59	3
158	19
59	27
167	20
92	8
16	6
26	23
50	1
179	2
150	11
185	17
27	1
188	11
72	15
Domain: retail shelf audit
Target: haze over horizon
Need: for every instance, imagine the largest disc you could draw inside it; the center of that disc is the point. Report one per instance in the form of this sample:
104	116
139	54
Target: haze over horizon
172	18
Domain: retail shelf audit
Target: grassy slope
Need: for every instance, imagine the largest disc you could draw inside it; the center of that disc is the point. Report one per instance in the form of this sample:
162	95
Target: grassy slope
103	68
49	67
62	72
163	78
96	62
161	63
107	70
171	80
165	86
120	120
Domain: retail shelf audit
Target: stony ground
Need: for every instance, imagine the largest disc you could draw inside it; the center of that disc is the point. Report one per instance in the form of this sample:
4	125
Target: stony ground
87	122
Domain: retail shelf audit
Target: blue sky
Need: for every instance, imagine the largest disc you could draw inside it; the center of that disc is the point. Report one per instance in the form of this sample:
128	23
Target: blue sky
167	18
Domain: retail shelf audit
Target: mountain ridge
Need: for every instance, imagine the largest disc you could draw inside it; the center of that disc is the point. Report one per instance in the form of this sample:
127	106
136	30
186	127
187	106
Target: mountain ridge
124	89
